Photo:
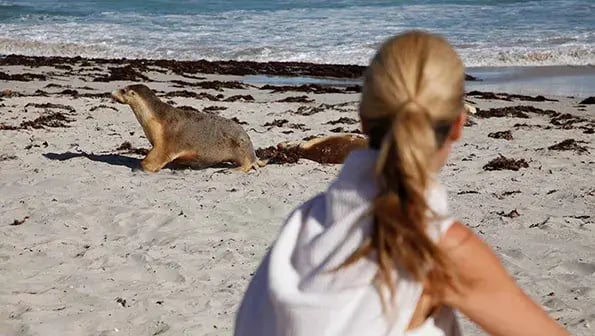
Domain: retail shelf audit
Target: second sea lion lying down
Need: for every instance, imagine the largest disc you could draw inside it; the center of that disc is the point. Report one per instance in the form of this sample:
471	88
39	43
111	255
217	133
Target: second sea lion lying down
329	149
186	137
333	149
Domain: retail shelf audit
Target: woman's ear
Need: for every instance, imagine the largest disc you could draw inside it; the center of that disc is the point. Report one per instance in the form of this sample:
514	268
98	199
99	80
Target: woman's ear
456	131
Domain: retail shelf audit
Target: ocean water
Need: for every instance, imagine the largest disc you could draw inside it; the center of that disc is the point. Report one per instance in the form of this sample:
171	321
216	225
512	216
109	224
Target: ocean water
485	32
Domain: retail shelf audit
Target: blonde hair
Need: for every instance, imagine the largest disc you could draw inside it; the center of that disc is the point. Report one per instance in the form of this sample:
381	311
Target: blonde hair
413	92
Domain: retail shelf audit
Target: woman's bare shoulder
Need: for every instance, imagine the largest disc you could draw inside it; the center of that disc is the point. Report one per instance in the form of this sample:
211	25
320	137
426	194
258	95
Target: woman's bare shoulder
487	294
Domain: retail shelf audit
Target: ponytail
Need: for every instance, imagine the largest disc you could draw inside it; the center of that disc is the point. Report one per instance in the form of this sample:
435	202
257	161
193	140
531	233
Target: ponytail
401	212
412	93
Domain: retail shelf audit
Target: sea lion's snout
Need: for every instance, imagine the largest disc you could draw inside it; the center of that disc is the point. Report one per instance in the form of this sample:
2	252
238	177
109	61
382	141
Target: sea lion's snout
118	95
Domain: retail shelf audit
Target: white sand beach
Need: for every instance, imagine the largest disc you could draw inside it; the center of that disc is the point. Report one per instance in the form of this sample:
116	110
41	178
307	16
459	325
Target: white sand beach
91	246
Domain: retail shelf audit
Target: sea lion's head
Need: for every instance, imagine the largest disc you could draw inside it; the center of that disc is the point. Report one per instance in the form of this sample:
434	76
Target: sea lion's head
132	93
143	102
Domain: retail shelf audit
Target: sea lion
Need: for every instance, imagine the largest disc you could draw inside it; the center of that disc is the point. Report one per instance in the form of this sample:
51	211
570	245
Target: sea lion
328	149
184	137
333	149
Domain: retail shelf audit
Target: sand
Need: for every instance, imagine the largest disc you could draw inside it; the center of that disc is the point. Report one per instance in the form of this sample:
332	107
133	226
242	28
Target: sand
91	246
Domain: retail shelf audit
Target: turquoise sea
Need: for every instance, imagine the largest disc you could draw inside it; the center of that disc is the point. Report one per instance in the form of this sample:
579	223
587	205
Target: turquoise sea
486	33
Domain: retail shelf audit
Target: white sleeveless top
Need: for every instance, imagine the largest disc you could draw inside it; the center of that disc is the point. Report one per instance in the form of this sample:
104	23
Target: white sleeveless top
295	290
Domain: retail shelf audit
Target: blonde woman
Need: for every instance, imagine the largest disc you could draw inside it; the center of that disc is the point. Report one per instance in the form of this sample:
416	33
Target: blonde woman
378	252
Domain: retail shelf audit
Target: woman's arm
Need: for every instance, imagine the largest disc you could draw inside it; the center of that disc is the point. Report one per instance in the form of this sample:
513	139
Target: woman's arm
488	295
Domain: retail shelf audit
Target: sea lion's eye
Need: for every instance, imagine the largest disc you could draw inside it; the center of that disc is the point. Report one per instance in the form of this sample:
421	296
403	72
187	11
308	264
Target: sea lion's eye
132	92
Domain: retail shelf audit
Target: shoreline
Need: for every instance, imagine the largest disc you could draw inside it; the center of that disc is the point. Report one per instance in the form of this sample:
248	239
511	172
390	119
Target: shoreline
559	80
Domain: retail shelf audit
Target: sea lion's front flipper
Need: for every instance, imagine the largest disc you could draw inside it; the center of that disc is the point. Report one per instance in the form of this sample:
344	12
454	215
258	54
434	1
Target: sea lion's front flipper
155	160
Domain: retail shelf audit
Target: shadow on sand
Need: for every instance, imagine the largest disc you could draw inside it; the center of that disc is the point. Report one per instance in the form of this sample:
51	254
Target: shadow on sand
111	159
126	161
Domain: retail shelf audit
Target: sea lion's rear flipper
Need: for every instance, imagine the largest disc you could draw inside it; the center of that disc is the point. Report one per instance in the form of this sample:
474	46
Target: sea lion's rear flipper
247	167
250	163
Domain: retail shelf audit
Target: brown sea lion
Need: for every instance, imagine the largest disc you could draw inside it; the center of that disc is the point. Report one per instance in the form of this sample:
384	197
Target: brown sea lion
329	149
334	149
186	137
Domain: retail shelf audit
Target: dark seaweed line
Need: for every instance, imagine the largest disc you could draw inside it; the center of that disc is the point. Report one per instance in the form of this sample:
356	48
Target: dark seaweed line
203	66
